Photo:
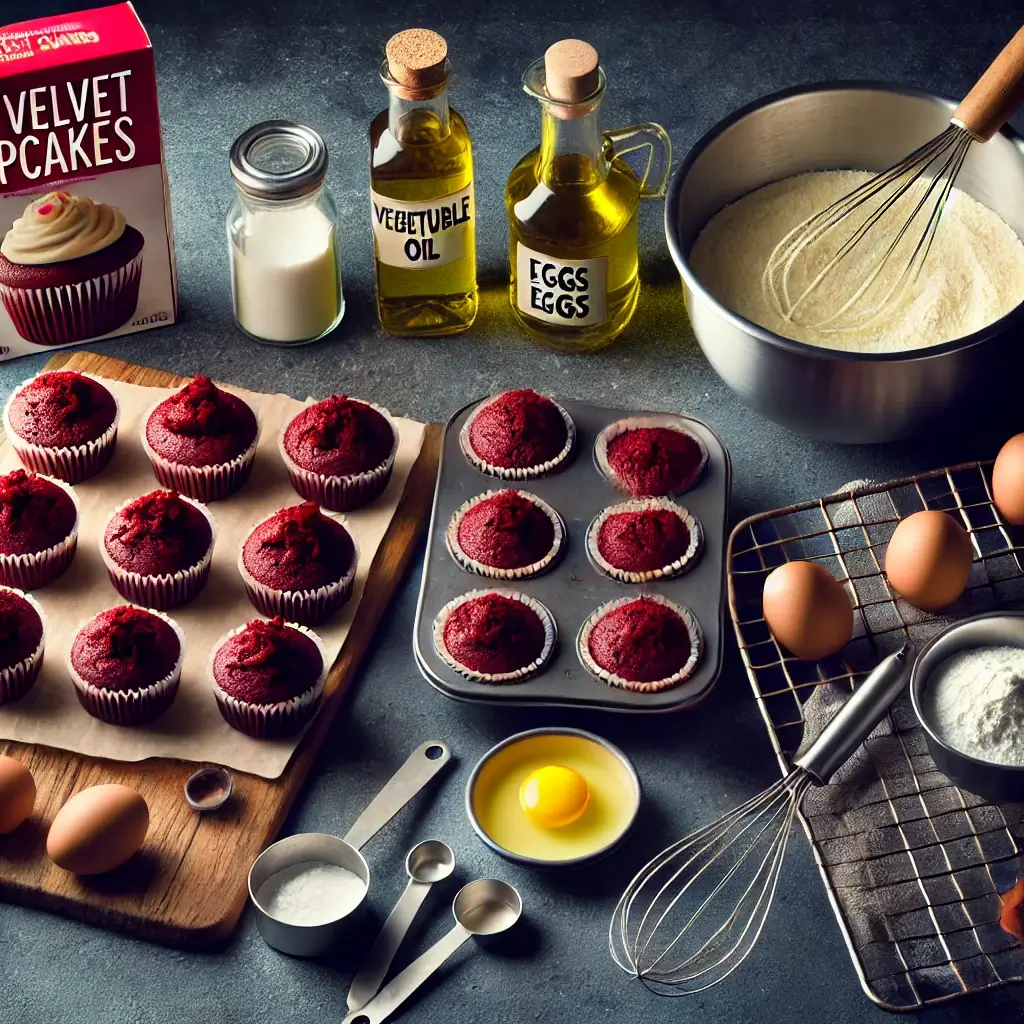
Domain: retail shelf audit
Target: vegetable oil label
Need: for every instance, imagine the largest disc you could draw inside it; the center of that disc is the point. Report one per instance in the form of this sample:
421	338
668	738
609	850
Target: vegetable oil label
418	236
571	293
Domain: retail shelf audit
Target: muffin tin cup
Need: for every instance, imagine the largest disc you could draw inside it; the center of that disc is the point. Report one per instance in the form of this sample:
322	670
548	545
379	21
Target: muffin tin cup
519	674
269	721
37	570
516	472
16	680
131	707
305	607
492	572
164	591
342	493
663	421
72	464
674	568
588	662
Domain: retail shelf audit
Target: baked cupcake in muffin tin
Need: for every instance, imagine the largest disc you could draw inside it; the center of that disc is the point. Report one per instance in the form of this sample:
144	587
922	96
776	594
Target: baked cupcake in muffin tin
650	456
22	642
39	519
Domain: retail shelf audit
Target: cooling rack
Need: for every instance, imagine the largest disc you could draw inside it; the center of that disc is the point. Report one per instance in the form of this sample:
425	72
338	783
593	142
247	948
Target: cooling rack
913	865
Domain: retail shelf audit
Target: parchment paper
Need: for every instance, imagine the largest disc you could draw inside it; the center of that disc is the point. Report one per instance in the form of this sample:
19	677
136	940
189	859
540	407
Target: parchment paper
192	729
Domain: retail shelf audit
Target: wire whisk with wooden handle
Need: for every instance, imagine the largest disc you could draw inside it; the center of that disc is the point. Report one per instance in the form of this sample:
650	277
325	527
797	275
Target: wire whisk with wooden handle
852	264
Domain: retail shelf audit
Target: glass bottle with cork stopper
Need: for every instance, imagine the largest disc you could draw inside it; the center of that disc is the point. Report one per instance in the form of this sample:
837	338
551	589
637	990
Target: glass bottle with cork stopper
421	190
572	208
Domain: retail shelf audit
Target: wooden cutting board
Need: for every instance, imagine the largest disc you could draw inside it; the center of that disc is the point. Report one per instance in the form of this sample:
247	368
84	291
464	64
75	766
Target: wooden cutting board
187	886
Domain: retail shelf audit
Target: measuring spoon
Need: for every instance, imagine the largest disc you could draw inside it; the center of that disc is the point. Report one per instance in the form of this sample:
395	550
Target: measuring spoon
426	863
484	907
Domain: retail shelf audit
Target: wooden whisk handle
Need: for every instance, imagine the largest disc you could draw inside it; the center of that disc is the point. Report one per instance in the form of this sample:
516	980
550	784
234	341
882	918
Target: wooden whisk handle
997	94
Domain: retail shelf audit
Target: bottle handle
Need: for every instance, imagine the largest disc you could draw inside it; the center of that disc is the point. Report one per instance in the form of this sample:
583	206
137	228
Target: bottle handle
655	140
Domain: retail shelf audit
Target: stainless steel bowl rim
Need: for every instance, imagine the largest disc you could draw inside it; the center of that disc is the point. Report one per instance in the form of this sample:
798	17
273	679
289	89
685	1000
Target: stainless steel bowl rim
681	260
917	680
551	731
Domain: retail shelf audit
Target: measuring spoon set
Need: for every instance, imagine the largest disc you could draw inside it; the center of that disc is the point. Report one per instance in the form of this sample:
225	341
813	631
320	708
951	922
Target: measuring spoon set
484	907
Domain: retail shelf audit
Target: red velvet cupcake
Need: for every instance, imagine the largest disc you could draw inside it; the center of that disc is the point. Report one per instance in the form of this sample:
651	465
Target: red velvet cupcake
22	639
340	452
201	441
267	677
643	540
38	529
651	457
517	435
506	535
63	424
300	564
158	549
642	644
126	664
494	637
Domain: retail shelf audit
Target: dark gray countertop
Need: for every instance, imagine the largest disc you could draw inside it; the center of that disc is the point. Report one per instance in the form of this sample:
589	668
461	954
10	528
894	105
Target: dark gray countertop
685	66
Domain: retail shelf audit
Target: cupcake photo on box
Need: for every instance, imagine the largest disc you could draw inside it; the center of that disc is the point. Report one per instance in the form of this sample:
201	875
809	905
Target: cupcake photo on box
70	270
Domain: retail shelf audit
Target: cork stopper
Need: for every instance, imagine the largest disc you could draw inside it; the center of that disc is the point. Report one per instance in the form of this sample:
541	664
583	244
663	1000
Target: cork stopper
571	71
417	58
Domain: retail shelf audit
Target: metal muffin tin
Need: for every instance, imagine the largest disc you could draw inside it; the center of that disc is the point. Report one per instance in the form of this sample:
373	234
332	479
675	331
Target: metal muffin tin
575	587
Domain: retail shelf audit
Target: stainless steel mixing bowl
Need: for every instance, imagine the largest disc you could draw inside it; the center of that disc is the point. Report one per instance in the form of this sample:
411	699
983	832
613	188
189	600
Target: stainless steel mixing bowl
839	396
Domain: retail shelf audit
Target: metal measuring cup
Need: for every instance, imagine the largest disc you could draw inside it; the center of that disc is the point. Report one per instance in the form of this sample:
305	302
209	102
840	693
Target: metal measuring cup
316	939
487	906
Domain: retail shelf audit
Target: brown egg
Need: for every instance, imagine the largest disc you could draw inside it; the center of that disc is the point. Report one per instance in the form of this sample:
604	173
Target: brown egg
928	560
807	610
1008	481
98	829
17	793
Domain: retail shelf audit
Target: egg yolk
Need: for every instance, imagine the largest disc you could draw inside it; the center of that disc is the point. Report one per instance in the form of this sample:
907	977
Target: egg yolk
554	796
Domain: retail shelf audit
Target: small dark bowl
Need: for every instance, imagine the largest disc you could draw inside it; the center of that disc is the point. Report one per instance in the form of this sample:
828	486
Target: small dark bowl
996	782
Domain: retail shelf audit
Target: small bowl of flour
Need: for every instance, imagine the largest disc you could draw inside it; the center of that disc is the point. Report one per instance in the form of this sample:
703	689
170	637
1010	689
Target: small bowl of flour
967	689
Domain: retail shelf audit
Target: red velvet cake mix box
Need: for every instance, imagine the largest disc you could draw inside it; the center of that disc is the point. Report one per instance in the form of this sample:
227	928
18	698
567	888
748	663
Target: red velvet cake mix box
86	249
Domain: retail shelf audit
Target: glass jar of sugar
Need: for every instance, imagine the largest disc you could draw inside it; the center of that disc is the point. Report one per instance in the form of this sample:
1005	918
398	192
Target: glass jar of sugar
283	236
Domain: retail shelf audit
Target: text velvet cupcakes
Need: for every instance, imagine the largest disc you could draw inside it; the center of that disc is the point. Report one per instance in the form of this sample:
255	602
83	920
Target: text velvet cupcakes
38	529
645	539
22	640
650	457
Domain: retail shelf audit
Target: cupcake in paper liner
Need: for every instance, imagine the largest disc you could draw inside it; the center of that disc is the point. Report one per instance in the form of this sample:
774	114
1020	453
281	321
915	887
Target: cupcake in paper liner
201	441
158	549
493	636
22	642
651	456
63	424
506	535
39	519
644	539
299	563
126	664
70	269
340	452
268	677
643	644
518	435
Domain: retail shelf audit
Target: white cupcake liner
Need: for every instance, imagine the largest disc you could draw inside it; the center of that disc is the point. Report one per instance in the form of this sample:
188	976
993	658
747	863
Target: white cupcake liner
664	421
515	472
674	568
130	707
204	483
37	570
305	607
164	591
480	568
341	493
267	721
18	679
517	675
72	464
611	678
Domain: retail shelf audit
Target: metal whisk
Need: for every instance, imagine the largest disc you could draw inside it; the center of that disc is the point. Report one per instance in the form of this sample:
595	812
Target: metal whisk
692	914
852	263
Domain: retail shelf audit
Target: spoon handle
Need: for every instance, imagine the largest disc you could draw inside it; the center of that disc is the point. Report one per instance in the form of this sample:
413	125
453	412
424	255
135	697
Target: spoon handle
374	970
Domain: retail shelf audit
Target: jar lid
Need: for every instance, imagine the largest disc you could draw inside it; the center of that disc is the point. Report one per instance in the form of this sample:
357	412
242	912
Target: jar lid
278	160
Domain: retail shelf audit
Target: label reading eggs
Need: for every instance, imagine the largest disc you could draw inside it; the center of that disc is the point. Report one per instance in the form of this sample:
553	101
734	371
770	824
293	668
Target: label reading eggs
572	293
417	236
